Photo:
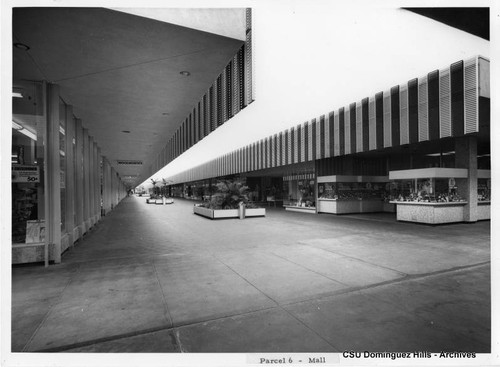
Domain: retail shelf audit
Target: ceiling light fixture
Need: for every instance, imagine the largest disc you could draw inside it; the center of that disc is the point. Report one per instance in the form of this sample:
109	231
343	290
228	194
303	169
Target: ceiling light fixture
185	73
21	46
16	126
24	131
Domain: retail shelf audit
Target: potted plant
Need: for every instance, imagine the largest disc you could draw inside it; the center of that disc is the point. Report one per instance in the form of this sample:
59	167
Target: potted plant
229	201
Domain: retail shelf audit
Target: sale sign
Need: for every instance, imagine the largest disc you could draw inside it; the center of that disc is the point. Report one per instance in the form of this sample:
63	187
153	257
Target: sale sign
25	173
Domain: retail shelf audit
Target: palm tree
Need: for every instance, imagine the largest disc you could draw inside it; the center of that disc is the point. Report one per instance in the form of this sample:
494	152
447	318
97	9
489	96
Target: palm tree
154	186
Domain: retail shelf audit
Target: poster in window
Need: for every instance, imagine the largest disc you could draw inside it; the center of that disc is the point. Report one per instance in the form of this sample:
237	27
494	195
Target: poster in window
35	231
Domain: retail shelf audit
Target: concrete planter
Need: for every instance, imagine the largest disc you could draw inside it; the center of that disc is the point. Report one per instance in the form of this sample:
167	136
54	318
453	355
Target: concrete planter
227	213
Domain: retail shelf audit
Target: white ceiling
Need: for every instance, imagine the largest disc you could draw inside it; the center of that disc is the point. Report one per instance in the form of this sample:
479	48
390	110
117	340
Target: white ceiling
120	72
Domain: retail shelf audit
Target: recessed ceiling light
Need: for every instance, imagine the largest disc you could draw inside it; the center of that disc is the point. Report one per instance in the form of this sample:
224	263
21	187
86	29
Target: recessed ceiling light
185	73
21	46
126	131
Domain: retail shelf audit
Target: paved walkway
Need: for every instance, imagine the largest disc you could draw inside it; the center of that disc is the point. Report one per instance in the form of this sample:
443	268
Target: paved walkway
152	278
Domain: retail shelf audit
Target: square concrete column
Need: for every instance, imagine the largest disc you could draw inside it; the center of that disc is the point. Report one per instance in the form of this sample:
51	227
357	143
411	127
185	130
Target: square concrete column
53	184
106	177
79	185
90	158
100	186
86	180
466	157
70	175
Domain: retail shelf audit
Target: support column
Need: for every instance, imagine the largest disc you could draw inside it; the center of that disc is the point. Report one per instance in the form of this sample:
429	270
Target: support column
466	157
91	181
106	176
100	188
86	180
53	210
70	176
79	202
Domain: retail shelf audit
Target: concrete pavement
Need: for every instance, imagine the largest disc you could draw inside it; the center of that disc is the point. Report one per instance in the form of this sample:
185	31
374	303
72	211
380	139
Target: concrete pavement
153	278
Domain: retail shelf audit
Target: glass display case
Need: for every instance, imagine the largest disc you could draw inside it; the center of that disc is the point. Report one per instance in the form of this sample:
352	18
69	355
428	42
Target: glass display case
427	190
428	195
351	194
483	194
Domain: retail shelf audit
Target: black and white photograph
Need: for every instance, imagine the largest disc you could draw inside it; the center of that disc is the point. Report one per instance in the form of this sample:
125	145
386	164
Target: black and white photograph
243	183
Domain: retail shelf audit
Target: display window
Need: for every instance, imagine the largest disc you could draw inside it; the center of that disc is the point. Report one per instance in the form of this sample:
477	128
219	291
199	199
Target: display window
351	190
427	190
28	163
484	189
299	193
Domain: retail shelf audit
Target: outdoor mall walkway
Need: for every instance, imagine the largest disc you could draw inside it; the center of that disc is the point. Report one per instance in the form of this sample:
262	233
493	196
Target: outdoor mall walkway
153	278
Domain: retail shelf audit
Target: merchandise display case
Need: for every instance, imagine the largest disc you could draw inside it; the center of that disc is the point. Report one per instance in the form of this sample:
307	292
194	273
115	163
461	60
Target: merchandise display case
342	194
428	195
483	194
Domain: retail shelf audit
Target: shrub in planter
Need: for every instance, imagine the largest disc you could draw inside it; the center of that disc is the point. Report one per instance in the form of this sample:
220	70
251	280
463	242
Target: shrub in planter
228	196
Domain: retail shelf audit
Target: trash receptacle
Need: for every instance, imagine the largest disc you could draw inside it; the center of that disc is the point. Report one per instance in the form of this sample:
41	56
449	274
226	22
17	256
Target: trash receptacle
241	210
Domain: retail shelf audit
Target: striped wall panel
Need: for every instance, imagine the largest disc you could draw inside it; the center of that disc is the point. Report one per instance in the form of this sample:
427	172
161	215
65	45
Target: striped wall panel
310	141
387	119
279	150
336	134
359	127
423	109
372	124
320	137
444	103
329	140
288	147
224	100
295	146
248	60
471	99
403	115
347	130
301	132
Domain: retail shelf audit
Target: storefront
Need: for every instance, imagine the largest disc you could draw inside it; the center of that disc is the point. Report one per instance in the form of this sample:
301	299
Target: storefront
61	185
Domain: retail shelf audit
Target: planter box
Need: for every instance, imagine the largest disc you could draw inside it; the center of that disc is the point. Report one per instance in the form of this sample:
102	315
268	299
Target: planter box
227	213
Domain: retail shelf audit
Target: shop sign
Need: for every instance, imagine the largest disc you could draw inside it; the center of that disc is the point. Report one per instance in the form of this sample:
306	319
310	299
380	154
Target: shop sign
25	173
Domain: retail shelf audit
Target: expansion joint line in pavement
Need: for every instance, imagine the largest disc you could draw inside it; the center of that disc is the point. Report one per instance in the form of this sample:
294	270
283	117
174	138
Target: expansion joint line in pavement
277	304
46	316
392	282
165	305
357	259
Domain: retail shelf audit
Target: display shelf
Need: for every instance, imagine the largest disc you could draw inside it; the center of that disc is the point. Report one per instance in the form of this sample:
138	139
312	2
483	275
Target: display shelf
346	194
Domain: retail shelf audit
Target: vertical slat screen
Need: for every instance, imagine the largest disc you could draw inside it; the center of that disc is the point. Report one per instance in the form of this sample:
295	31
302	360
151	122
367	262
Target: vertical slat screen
444	103
359	128
336	134
347	130
372	124
320	137
403	114
423	109
471	99
387	119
